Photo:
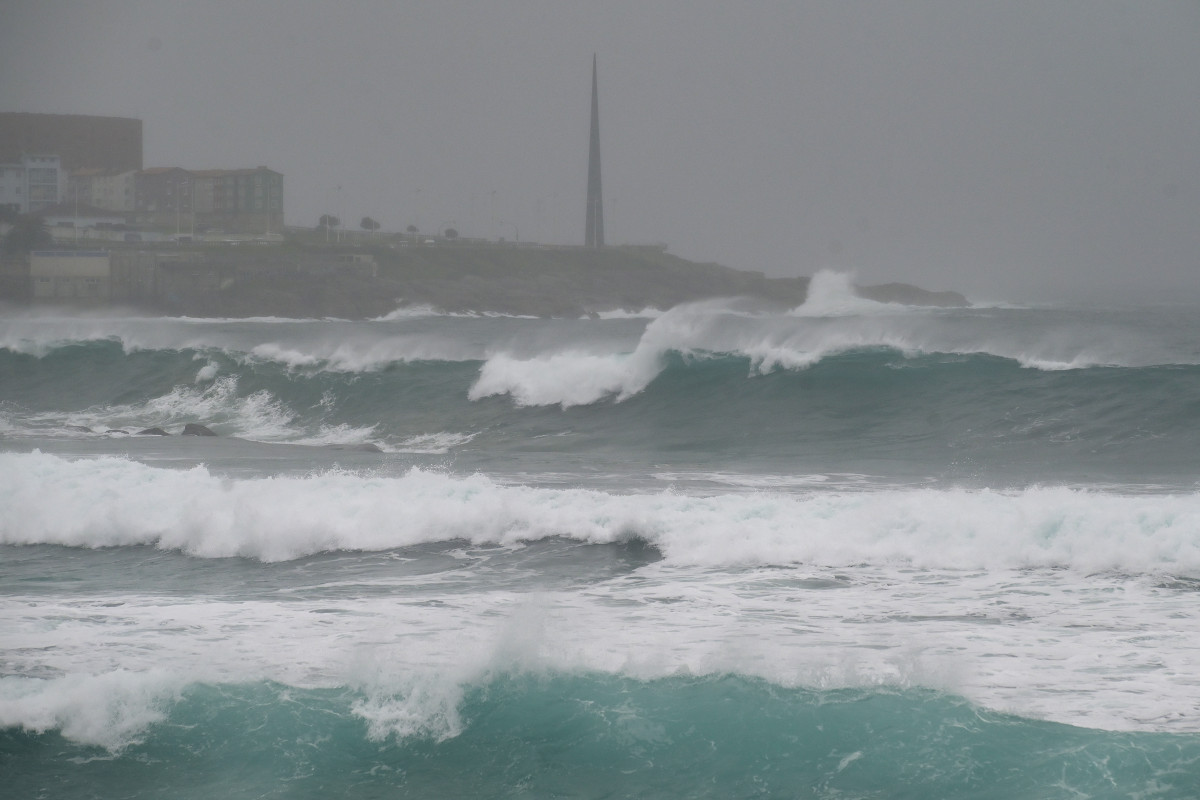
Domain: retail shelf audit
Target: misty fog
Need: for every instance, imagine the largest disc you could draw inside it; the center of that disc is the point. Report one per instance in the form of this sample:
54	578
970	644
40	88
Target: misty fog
1017	151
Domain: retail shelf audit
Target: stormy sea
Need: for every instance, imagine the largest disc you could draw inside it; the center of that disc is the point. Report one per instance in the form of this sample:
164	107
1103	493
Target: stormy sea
850	550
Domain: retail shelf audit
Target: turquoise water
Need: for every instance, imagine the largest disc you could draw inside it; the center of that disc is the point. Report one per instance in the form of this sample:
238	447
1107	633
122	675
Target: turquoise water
851	551
602	736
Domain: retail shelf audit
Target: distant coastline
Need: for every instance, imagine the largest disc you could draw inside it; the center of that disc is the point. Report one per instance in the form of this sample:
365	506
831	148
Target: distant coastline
363	281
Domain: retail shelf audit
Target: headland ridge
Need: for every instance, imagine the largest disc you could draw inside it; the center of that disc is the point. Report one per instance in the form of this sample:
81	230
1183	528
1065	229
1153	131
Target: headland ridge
362	281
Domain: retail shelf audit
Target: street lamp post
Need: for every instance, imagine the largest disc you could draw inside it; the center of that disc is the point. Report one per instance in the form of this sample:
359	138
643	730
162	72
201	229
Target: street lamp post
341	213
492	209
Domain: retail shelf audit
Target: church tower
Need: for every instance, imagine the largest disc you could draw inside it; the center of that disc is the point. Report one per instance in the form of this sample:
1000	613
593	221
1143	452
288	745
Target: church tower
594	229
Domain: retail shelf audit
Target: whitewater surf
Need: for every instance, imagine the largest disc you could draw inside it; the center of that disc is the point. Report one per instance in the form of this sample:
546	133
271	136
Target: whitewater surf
852	550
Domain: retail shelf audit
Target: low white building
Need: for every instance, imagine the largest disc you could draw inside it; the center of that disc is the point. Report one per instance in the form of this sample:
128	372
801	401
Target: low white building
79	215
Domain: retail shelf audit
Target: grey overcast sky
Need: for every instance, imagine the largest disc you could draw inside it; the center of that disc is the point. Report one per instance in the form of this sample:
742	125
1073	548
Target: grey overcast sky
1021	150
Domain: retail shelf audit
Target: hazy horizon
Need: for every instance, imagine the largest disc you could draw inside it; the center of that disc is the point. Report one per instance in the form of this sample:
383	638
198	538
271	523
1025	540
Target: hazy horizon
1016	151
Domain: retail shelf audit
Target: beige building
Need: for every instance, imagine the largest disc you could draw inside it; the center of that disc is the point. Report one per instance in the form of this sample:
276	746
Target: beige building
239	200
107	189
70	276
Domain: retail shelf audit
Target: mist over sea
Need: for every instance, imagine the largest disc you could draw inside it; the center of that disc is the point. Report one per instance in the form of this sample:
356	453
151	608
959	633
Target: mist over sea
855	550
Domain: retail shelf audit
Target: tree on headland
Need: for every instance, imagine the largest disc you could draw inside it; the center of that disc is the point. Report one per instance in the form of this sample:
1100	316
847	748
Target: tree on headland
29	233
369	225
328	221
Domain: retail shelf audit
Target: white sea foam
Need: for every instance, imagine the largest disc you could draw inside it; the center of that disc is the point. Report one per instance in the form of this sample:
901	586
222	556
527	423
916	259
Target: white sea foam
258	415
362	354
340	434
415	311
832	294
109	501
567	379
110	710
1098	650
573	377
648	312
215	401
208	372
422	703
425	310
433	443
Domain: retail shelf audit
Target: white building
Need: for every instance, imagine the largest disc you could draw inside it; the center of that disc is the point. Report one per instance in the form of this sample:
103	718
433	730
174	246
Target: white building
35	183
12	188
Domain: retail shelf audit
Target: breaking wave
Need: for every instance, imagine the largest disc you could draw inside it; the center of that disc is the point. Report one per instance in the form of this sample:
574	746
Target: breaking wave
109	502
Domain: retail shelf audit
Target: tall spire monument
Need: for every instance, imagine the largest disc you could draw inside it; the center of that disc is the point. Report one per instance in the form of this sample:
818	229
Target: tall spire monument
594	229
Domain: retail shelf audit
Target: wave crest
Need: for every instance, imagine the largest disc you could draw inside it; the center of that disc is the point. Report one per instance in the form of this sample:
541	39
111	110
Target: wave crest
112	710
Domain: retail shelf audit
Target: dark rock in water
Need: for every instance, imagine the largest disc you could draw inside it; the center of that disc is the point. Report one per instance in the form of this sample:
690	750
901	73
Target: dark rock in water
908	295
153	432
358	448
79	428
192	429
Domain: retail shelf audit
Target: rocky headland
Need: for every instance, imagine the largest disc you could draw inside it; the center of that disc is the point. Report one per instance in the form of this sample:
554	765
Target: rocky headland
361	281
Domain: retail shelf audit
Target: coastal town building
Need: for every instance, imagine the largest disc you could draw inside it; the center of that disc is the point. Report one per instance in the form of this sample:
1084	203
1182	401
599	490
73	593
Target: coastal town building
97	161
230	200
31	183
239	200
45	181
12	189
113	190
162	195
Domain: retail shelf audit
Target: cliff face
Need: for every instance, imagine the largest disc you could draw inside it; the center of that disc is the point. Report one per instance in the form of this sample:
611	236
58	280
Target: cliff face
535	281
